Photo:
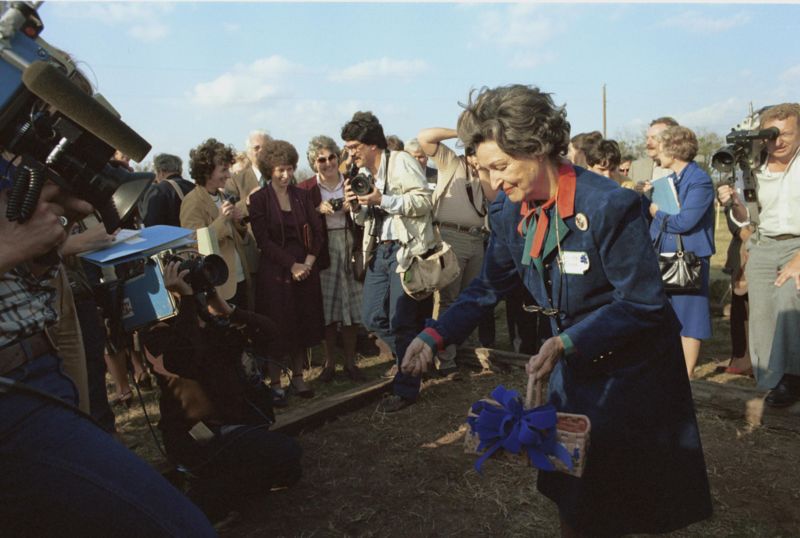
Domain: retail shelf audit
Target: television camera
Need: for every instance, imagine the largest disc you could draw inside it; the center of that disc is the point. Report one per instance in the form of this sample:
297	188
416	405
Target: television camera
53	127
746	150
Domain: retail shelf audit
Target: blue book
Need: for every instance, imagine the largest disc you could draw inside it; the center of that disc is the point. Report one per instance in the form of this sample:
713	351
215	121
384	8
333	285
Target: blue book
665	196
146	243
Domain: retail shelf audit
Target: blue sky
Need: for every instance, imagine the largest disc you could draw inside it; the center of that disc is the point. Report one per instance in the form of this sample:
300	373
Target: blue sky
181	72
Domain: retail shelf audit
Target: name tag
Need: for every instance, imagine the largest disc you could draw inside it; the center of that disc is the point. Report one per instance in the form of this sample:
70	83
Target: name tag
574	263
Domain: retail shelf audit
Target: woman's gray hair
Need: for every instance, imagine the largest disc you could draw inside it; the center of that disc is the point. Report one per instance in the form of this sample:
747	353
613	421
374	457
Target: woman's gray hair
317	144
522	120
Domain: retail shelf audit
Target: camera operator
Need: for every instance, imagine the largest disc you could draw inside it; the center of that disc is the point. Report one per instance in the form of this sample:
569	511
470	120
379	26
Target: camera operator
773	259
397	217
214	420
61	474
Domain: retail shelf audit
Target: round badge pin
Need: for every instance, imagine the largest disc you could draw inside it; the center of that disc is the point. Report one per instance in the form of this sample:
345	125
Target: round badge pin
581	222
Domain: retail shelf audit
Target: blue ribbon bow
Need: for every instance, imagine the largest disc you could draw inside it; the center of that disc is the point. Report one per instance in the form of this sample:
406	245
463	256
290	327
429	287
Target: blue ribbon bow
513	428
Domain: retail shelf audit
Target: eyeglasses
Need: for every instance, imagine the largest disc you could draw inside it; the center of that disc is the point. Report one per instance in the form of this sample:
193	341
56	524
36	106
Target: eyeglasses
331	158
624	170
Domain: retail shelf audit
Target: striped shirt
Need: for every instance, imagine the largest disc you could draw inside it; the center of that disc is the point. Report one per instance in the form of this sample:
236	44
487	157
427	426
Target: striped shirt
27	303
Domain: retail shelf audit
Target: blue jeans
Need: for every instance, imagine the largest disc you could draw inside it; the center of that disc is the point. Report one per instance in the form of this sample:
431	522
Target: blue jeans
391	314
60	475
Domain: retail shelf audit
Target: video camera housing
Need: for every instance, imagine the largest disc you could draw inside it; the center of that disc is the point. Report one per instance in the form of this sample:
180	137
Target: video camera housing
58	129
746	150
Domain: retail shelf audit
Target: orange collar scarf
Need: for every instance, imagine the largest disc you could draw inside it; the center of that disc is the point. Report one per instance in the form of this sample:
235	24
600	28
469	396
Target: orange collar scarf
564	199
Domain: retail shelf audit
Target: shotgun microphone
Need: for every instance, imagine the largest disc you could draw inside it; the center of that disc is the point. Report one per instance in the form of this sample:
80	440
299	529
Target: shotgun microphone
55	89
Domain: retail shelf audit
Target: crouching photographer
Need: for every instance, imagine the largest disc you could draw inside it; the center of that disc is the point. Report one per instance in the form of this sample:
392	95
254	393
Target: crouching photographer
215	413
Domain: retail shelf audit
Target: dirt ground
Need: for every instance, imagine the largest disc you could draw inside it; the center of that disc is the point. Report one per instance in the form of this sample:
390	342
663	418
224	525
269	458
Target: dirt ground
369	474
406	475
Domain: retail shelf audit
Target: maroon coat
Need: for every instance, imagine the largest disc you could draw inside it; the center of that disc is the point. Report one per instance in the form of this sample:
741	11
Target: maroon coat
312	186
280	236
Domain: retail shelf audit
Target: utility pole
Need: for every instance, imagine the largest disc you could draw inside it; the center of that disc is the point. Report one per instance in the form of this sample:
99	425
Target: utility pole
604	111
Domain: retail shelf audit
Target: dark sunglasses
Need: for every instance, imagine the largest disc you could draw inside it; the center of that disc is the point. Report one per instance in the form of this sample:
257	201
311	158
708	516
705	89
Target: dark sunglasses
331	158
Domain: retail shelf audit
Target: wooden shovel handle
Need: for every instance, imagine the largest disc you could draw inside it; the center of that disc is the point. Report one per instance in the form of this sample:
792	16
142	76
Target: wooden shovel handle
532	401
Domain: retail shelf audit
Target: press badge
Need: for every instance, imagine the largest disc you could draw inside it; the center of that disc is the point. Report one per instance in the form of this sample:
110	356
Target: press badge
574	263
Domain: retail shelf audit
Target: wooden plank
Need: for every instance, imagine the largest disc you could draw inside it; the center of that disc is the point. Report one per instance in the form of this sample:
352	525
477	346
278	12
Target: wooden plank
746	403
490	359
326	409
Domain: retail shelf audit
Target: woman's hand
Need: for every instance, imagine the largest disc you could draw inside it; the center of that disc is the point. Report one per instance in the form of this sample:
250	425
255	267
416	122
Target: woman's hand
418	358
653	210
325	208
300	271
228	210
542	364
173	280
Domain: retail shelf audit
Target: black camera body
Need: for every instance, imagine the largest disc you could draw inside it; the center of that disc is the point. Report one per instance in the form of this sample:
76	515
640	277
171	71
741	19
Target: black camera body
205	272
336	203
746	150
58	128
361	184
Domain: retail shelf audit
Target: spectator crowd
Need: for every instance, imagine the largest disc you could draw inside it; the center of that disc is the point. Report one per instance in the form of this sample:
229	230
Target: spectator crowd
321	261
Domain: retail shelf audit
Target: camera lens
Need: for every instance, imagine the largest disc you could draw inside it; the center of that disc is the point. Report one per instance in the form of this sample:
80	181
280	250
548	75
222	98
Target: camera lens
213	269
361	185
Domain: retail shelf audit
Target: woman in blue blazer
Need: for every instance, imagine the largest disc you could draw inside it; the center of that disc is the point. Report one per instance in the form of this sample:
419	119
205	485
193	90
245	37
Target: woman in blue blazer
580	245
695	224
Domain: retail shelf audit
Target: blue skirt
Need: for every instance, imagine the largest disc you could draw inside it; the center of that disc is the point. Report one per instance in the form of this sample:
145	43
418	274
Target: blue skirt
693	310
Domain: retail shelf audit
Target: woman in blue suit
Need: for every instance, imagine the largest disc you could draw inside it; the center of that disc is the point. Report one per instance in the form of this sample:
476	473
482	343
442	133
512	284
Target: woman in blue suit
580	245
695	224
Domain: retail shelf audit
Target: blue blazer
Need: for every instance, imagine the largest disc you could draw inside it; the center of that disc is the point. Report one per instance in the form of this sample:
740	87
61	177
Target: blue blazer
623	364
617	304
695	221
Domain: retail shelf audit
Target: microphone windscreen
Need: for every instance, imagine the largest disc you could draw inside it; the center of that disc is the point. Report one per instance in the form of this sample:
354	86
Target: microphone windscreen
55	89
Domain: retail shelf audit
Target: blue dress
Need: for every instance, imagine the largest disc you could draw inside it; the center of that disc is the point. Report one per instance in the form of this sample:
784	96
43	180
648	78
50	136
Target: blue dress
623	363
695	224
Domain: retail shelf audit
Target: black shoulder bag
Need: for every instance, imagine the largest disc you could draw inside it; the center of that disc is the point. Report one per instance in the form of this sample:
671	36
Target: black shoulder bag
680	270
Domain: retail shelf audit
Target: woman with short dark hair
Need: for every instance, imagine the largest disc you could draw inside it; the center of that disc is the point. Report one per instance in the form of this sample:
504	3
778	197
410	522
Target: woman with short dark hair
288	232
206	207
694	222
580	245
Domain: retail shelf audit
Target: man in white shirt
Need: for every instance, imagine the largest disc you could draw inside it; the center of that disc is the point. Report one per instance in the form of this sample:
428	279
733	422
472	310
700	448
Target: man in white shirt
396	213
773	259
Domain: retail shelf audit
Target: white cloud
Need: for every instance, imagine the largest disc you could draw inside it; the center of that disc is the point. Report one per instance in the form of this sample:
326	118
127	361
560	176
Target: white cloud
231	27
719	116
694	21
791	74
382	68
144	20
246	84
149	32
524	28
